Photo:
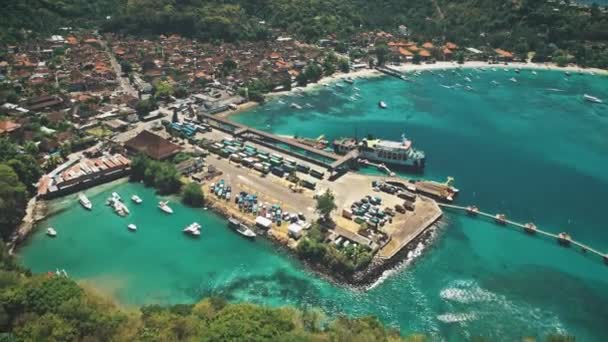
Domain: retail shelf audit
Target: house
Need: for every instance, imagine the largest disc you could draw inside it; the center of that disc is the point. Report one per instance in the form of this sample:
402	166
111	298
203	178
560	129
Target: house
43	102
295	230
152	145
116	125
8	127
503	55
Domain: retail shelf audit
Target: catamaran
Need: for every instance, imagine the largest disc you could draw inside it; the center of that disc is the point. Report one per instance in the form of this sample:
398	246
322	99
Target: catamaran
84	201
163	205
51	232
592	99
136	199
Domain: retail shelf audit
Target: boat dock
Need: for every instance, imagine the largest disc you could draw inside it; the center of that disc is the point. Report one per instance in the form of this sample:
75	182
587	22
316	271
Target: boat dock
331	161
563	239
392	72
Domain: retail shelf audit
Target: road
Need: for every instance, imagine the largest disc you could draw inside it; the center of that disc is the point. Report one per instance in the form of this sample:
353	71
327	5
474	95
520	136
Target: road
126	86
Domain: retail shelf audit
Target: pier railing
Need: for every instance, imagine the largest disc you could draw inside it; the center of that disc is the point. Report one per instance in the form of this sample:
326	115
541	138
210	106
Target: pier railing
563	240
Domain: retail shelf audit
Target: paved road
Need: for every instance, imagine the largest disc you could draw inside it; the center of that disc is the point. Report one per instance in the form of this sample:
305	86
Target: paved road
126	86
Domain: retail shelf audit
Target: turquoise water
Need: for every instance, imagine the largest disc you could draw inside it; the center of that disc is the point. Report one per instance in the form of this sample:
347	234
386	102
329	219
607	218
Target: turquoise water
519	148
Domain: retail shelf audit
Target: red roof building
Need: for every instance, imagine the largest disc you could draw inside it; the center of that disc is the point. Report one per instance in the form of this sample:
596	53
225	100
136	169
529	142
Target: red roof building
152	145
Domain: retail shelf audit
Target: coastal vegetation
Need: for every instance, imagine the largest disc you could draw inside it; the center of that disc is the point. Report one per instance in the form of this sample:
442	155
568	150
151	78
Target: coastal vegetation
325	205
52	307
192	195
161	175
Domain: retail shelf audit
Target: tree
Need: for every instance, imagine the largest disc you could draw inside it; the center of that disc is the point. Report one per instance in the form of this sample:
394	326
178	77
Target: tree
126	67
381	51
13	198
344	65
193	195
460	57
27	169
144	107
228	66
163	89
325	204
65	149
301	79
313	72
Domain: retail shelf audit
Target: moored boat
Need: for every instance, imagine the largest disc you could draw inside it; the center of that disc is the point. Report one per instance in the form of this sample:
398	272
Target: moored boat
163	205
530	228
136	199
563	239
132	227
500	219
472	210
382	104
51	232
245	231
84	201
193	229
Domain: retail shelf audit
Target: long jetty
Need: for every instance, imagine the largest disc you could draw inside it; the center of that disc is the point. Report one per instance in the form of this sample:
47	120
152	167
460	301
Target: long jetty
329	160
565	241
392	72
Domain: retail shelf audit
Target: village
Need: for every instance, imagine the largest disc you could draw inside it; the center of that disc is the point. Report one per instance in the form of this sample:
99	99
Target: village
87	103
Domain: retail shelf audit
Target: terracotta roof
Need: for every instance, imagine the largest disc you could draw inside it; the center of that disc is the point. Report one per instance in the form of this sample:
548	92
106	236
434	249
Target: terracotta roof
424	53
8	126
405	52
503	53
447	51
451	46
428	45
152	145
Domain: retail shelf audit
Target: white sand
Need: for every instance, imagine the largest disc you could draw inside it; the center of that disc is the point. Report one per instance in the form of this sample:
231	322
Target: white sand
408	67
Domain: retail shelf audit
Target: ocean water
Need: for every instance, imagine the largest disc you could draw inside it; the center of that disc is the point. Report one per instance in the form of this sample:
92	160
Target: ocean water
532	149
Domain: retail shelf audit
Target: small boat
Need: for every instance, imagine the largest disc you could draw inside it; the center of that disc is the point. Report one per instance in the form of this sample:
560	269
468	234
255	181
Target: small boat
534	72
115	195
592	99
193	230
513	79
495	83
517	71
295	105
357	89
163	205
234	223
132	227
472	210
382	104
339	85
469	88
245	231
445	86
530	228
84	201
349	80
567	73
468	79
563	239
51	232
136	199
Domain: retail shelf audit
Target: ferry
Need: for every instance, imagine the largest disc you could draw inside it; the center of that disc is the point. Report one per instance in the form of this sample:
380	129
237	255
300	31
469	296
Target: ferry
132	227
163	205
391	153
84	201
382	104
136	199
193	230
592	99
51	232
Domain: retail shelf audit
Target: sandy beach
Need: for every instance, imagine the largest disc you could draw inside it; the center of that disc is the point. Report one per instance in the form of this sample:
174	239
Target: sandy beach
513	65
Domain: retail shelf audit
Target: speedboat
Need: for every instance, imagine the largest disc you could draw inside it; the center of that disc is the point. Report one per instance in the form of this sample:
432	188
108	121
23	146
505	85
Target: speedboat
382	104
245	231
116	196
84	201
592	99
132	227
136	199
164	207
193	229
51	232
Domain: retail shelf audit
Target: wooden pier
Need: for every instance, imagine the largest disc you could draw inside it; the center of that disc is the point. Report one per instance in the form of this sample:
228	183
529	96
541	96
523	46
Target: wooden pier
562	238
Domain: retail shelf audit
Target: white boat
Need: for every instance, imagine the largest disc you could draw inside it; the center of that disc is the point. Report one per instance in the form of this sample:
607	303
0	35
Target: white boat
513	79
193	229
245	231
115	195
534	72
136	199
592	99
84	201
295	105
132	227
382	104
349	80
164	207
51	232
119	207
468	79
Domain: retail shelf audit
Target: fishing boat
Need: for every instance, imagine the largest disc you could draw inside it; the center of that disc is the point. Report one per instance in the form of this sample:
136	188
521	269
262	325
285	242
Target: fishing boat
193	229
132	227
295	105
592	99
382	104
51	232
136	199
245	231
349	80
84	201
163	205
468	79
513	79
